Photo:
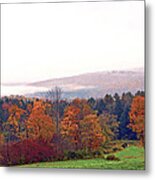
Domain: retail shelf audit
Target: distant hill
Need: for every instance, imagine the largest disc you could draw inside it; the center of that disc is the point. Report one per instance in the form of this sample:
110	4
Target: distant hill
95	84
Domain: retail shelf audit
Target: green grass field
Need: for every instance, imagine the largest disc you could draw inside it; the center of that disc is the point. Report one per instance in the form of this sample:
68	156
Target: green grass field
131	158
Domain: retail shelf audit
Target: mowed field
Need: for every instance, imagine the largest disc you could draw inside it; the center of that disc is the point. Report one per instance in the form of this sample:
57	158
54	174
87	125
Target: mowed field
131	158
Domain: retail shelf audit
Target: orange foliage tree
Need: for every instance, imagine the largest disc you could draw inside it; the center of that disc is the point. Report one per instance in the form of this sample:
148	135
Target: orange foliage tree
69	126
137	116
73	114
91	133
15	120
80	126
40	126
1	144
1	138
83	106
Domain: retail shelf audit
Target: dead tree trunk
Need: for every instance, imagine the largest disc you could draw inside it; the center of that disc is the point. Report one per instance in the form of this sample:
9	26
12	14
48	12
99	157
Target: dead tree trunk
55	96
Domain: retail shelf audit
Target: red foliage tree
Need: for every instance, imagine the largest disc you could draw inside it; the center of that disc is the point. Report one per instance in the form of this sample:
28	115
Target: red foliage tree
34	151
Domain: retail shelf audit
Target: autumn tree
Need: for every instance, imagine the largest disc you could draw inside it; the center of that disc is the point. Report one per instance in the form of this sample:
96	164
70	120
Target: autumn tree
73	115
109	126
1	138
137	116
15	122
70	126
1	144
91	133
83	106
40	125
4	114
1	115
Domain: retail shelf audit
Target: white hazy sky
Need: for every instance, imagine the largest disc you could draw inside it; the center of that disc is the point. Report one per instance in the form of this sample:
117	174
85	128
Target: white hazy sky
43	41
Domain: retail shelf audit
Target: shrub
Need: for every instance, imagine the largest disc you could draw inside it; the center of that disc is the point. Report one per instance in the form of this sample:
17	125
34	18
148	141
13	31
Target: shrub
112	158
28	151
124	145
97	154
74	155
82	154
71	155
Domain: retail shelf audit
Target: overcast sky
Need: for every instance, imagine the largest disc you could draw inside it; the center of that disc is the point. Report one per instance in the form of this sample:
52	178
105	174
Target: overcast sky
43	41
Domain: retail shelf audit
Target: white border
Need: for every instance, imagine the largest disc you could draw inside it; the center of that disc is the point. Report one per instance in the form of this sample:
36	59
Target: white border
69	174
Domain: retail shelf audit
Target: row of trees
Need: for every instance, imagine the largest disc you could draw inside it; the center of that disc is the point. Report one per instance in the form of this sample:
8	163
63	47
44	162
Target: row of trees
79	124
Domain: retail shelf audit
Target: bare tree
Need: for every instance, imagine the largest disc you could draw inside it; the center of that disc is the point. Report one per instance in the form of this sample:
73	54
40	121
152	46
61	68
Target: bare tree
55	96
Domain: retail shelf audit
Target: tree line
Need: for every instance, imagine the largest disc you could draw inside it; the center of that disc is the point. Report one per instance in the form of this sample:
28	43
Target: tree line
33	129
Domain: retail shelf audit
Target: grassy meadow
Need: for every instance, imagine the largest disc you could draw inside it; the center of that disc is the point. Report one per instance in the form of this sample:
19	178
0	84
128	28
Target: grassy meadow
131	158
